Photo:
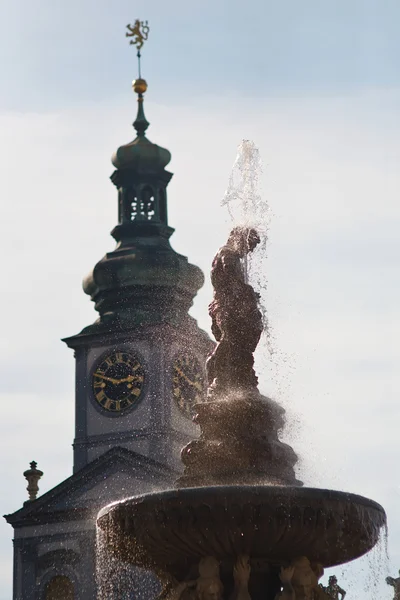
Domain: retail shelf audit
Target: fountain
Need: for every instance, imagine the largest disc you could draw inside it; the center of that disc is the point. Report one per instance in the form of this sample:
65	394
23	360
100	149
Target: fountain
239	524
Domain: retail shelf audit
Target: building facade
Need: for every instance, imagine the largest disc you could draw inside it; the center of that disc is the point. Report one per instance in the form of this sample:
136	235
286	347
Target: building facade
139	371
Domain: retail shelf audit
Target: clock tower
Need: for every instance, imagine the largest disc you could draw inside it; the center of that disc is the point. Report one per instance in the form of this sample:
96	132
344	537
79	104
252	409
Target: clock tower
139	372
140	366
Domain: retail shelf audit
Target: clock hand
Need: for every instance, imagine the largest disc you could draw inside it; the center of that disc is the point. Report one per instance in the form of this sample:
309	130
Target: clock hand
131	378
118	381
107	378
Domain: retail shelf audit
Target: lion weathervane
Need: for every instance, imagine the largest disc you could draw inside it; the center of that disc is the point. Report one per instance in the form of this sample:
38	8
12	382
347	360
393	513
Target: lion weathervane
139	32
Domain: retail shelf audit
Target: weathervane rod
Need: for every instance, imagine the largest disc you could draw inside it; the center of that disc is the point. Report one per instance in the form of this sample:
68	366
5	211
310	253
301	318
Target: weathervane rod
139	32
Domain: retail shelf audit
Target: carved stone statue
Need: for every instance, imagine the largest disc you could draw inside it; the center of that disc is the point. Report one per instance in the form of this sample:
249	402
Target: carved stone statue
241	576
394	582
179	591
239	440
300	581
287	592
209	585
333	589
236	319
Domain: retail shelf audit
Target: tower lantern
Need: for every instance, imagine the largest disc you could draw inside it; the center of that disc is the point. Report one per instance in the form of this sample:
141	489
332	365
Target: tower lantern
144	280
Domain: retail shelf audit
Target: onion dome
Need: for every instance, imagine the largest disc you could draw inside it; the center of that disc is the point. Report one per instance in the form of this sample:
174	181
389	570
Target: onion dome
141	154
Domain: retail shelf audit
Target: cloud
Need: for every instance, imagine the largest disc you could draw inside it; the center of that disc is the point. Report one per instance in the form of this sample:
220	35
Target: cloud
331	180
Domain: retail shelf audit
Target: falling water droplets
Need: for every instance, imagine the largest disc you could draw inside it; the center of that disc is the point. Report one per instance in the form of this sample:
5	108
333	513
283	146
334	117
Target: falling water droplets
118	580
243	198
249	207
365	578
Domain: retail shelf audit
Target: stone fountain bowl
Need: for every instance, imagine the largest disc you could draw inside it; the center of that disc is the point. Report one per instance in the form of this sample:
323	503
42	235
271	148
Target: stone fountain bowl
170	531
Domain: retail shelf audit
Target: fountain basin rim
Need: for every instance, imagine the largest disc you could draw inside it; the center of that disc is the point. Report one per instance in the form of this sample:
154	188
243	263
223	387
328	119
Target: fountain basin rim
197	494
171	530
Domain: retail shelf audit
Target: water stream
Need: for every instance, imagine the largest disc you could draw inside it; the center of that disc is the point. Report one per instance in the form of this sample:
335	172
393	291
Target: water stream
247	207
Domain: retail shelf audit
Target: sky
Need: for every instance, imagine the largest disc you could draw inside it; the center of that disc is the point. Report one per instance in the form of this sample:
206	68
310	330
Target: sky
316	86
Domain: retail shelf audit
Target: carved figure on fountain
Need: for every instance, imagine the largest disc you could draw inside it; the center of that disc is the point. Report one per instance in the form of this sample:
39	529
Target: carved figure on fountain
209	586
333	589
300	581
241	577
236	319
395	583
239	428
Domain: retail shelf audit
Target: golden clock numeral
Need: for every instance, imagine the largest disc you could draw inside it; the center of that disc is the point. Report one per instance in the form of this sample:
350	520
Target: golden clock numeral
108	403
98	384
117	405
136	392
100	395
119	357
109	361
136	366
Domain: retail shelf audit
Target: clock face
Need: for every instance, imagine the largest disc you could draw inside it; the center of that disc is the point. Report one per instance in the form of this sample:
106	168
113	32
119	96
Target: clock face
118	381
188	383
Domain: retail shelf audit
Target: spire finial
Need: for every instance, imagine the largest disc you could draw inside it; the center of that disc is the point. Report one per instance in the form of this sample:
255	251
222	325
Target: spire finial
139	32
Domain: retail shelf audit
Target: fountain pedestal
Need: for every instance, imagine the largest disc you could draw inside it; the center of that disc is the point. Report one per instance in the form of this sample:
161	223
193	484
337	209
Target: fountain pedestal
238	443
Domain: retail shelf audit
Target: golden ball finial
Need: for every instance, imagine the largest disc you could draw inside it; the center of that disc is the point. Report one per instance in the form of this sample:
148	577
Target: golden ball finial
139	86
